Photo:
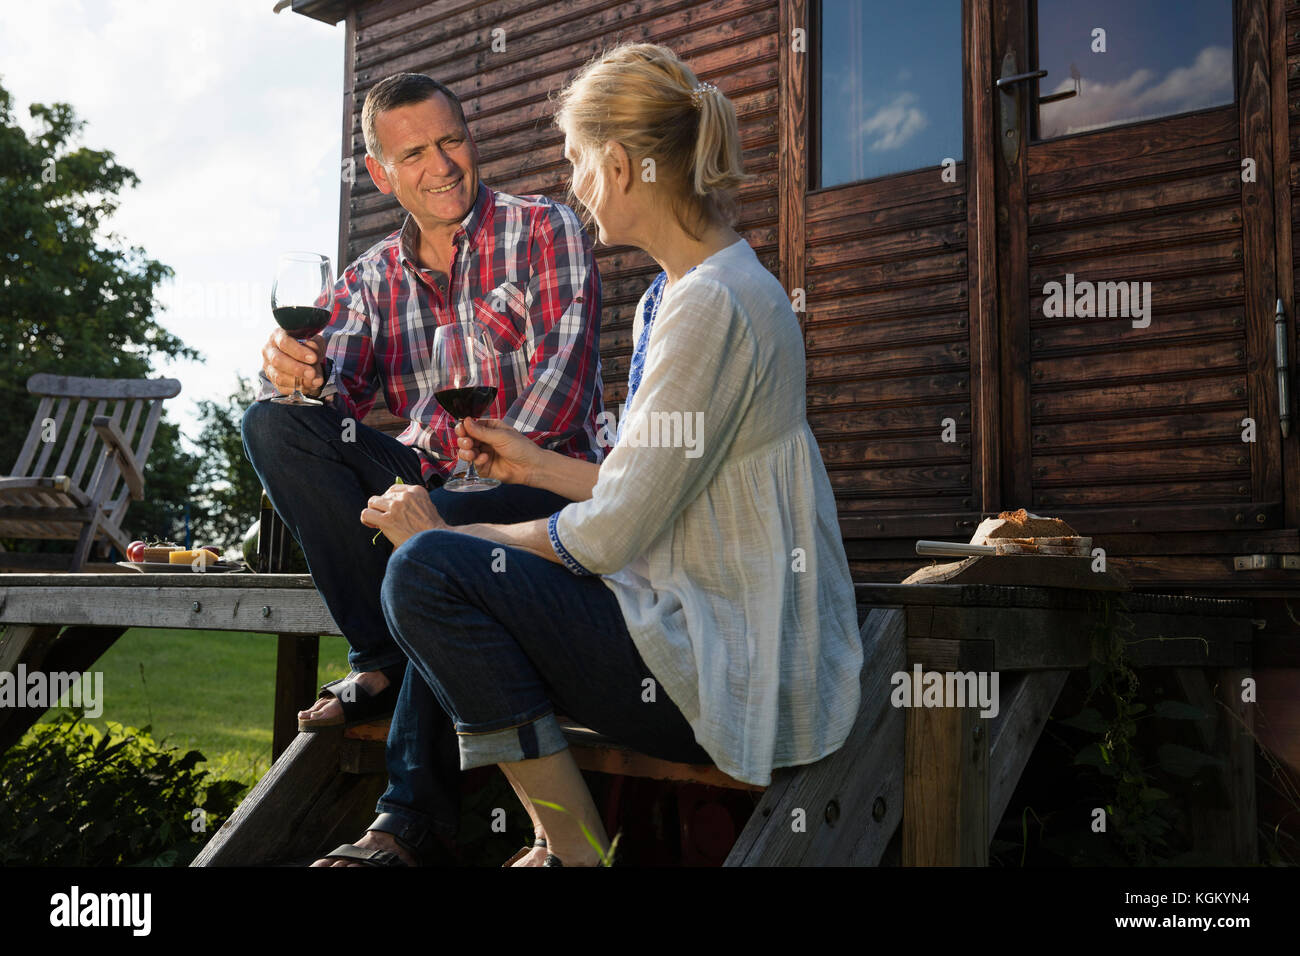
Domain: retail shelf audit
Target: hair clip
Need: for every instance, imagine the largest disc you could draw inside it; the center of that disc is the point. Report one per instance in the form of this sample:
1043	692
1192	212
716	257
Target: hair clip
699	91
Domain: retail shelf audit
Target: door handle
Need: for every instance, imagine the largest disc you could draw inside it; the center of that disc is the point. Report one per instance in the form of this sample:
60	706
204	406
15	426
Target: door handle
1007	85
1005	81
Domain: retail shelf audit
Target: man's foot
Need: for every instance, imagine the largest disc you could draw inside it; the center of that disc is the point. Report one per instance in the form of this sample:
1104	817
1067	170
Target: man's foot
375	840
328	709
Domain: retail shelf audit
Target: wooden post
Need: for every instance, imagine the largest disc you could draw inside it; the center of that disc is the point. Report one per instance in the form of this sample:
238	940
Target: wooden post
792	163
945	759
1223	822
301	807
1239	750
49	648
1027	702
295	686
852	799
16	639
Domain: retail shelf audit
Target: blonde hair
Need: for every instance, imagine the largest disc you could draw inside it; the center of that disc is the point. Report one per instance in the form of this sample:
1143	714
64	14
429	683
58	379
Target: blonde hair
642	96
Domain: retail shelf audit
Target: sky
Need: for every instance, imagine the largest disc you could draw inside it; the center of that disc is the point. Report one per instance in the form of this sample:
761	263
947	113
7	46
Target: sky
231	117
1139	67
891	88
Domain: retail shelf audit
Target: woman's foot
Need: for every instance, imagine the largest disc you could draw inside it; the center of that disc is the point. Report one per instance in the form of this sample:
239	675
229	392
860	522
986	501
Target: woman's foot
328	710
575	855
537	855
376	840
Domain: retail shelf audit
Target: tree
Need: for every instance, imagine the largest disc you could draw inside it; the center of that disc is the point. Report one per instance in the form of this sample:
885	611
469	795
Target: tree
228	495
74	299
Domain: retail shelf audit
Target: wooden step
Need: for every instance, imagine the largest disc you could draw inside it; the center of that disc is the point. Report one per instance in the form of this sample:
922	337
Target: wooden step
363	752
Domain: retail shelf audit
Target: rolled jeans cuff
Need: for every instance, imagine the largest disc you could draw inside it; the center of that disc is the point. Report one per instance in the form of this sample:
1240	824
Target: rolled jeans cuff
385	660
539	737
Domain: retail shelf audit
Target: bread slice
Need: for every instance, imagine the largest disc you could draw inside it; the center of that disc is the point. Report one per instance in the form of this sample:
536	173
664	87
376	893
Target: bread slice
158	553
1021	524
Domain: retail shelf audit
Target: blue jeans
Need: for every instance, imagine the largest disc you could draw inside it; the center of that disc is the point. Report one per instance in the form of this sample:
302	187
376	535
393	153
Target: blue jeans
506	638
319	484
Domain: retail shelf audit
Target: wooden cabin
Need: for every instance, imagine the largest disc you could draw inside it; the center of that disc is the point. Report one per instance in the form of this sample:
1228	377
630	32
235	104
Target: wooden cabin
924	286
944	239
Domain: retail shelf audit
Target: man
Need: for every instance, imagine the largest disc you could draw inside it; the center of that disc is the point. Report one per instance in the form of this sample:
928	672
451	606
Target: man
518	268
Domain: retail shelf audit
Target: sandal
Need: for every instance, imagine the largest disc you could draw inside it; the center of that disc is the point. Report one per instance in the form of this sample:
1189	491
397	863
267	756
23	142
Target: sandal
356	854
523	851
362	707
411	836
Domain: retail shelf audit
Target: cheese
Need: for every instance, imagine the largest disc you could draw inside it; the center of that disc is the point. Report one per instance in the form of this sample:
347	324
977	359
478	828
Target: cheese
200	557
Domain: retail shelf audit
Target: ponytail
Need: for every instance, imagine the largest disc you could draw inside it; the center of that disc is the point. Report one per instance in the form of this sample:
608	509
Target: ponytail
642	96
717	166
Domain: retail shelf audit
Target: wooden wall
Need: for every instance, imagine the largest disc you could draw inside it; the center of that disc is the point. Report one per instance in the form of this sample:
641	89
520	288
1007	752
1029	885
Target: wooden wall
924	295
1121	415
887	326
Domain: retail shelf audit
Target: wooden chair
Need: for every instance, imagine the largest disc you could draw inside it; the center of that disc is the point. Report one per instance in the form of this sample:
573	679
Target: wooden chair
44	496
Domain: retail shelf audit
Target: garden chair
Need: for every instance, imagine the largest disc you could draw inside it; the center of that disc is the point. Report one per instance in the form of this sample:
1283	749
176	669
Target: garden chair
44	497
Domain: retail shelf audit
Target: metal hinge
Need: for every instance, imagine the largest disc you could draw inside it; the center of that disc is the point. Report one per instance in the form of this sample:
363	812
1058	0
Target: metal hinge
1283	372
1257	562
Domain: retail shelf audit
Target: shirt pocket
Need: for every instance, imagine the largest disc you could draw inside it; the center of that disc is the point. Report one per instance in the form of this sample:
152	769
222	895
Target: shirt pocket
504	313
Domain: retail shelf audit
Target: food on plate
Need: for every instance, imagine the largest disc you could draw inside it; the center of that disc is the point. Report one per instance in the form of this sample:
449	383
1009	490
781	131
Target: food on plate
135	551
199	558
159	552
1020	524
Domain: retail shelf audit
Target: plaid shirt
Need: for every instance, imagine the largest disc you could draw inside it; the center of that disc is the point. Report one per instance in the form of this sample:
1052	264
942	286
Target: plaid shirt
522	270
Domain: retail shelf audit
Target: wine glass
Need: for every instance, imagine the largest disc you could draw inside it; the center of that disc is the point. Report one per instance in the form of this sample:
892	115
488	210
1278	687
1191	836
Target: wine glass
302	300
469	370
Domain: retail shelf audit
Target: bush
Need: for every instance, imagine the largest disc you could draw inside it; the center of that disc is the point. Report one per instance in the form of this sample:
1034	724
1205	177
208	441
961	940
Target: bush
73	795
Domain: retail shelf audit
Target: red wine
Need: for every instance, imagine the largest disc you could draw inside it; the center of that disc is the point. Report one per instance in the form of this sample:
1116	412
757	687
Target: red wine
301	321
461	403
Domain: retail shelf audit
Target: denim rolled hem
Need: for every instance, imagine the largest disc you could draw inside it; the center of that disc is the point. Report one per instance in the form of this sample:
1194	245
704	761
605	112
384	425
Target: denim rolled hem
376	662
406	813
539	737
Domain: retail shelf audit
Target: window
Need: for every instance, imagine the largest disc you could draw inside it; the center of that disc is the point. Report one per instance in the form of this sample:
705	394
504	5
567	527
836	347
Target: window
889	87
1131	61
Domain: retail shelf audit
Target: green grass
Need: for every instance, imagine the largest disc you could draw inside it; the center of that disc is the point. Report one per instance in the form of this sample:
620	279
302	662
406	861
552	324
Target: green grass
212	691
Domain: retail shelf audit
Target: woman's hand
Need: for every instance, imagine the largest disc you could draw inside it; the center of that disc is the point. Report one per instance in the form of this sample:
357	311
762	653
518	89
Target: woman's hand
401	512
497	450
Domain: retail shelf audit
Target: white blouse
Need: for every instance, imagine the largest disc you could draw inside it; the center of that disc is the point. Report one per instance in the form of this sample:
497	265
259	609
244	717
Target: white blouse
723	548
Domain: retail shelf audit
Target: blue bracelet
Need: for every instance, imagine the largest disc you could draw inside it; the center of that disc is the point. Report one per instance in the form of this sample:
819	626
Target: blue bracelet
561	552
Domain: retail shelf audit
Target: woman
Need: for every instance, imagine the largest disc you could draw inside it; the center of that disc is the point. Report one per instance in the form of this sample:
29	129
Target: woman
694	602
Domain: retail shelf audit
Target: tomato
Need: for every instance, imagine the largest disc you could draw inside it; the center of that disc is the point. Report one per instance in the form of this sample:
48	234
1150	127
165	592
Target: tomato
135	551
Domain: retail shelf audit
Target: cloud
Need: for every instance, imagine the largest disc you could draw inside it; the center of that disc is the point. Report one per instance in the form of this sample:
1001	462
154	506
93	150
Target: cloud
1142	95
230	115
894	124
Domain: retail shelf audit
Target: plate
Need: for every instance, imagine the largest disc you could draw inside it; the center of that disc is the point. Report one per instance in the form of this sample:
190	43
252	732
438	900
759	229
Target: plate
156	567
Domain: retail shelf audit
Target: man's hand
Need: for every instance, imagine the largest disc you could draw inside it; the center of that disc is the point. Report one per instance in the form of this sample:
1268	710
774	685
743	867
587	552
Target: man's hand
497	450
285	359
401	512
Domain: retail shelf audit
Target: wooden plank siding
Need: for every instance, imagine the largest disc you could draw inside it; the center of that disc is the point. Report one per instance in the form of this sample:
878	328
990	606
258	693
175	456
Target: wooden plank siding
1134	414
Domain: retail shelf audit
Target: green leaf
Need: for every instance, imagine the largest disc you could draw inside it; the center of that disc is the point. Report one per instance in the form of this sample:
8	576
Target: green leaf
1091	756
1089	719
1179	710
1183	761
